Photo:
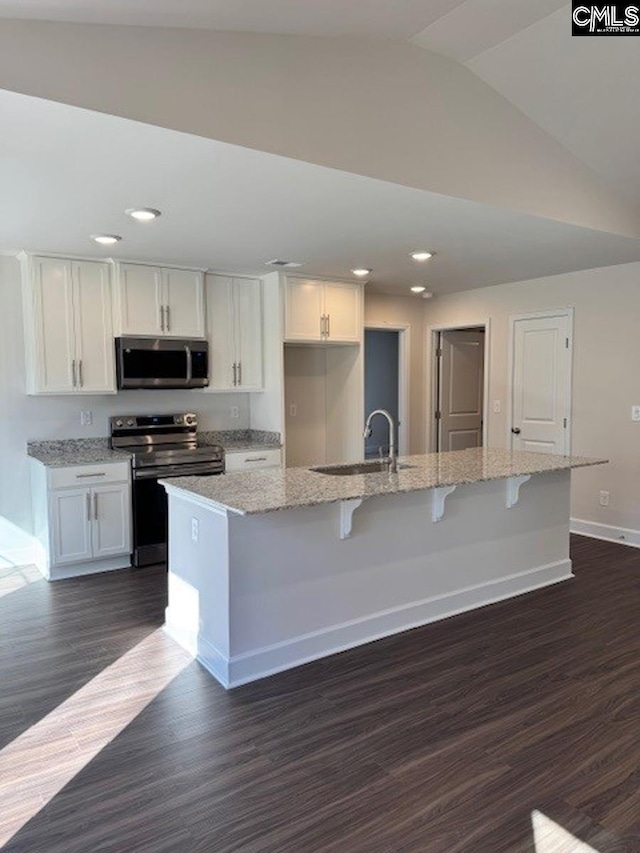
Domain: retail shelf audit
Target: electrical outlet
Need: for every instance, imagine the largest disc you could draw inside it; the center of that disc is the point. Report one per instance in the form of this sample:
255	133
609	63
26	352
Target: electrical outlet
235	412
293	410
604	498
635	413
86	418
195	529
497	406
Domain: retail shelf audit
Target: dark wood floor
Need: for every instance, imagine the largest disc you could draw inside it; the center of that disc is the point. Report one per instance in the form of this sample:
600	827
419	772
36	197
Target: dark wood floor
446	738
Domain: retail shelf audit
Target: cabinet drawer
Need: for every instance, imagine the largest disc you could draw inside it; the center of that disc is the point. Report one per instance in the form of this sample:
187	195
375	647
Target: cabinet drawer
89	475
249	460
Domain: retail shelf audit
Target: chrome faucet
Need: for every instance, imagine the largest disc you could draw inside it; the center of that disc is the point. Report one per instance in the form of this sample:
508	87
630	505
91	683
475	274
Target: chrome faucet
393	462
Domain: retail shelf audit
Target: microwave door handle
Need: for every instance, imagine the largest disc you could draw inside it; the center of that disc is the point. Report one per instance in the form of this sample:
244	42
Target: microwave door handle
187	349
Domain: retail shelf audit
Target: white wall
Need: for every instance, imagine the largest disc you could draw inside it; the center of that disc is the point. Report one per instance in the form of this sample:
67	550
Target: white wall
392	311
380	108
23	418
606	374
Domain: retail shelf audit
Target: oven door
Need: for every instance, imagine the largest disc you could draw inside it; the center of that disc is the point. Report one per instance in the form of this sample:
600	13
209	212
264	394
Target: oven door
150	516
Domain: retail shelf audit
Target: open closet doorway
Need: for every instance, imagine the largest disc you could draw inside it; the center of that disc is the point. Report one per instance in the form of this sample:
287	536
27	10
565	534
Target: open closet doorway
459	382
386	386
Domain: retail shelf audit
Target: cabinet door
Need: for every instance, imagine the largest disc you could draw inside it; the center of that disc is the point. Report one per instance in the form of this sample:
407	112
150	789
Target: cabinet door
70	524
303	310
93	328
111	513
342	304
53	363
247	303
139	300
220	332
184	303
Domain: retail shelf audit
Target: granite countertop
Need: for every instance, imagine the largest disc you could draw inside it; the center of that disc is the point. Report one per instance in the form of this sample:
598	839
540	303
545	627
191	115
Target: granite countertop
270	490
66	452
75	451
241	439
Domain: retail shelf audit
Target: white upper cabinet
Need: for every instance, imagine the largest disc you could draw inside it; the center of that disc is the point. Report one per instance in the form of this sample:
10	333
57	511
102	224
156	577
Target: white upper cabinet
234	326
323	312
68	331
159	301
139	305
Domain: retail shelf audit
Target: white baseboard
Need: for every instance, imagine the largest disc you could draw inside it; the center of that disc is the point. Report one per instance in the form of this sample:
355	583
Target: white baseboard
268	660
607	532
91	568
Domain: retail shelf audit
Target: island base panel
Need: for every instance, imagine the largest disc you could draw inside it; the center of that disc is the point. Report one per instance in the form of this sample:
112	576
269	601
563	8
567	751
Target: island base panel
258	594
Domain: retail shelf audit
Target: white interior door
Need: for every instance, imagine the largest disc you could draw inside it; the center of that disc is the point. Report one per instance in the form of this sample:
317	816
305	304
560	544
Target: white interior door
541	383
461	389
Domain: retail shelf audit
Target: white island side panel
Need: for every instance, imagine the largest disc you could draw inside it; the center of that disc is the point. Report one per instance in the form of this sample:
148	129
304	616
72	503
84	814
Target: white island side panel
278	589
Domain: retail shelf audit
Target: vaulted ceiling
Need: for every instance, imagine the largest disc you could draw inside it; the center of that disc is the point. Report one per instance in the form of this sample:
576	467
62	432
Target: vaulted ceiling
580	95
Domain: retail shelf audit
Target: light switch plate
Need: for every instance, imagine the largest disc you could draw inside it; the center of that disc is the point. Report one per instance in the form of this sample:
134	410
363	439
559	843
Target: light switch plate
496	407
635	413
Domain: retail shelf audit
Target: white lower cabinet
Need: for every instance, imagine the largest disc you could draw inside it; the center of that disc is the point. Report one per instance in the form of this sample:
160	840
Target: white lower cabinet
83	518
251	460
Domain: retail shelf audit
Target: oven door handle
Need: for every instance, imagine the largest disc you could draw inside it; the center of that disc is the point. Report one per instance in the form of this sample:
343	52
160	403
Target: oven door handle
177	471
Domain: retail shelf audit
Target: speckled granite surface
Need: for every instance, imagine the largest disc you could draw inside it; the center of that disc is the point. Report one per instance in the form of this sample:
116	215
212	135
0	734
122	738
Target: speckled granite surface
241	439
276	489
75	451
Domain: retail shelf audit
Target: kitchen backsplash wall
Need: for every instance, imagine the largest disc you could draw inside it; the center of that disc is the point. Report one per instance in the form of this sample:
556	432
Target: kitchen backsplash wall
23	418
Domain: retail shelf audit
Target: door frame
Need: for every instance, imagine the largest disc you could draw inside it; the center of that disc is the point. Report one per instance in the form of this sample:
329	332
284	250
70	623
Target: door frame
539	315
404	348
431	372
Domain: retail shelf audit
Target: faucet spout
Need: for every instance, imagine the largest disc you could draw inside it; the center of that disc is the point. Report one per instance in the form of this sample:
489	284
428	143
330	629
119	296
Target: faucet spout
393	462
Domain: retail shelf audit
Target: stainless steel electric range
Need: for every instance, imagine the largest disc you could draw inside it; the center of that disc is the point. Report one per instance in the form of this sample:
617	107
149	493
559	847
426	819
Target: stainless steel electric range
161	446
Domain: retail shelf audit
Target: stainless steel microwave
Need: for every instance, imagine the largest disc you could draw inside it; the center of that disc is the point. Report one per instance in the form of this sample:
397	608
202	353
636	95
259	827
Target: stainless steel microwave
162	363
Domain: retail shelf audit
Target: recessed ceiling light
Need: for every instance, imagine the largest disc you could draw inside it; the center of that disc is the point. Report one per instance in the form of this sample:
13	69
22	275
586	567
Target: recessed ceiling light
421	256
106	239
418	289
143	214
361	272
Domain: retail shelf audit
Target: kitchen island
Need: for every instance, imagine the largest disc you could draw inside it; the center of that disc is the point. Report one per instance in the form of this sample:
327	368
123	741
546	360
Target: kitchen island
272	569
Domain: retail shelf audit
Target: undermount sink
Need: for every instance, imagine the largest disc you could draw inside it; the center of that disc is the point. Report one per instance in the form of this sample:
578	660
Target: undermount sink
373	467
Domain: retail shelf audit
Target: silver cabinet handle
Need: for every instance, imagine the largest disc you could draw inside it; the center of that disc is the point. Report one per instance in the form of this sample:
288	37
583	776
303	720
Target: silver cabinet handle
235	374
256	459
328	325
87	476
239	373
74	378
167	314
162	318
95	505
322	325
80	374
88	506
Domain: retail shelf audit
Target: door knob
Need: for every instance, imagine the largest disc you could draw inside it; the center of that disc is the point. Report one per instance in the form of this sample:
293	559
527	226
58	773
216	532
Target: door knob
515	430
